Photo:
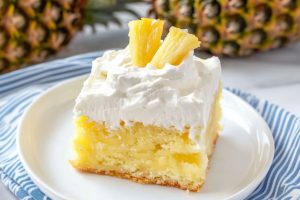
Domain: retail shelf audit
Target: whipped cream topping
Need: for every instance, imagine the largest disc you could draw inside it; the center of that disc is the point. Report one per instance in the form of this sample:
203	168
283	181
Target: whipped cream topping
174	96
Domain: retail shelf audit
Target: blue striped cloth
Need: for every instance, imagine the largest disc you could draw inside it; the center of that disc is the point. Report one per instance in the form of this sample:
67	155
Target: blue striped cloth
19	88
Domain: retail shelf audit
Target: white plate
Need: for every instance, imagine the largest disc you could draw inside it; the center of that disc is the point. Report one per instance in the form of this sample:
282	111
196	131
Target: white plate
242	157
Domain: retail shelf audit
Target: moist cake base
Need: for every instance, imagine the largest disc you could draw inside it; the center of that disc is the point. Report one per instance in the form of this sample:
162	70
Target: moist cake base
146	154
144	179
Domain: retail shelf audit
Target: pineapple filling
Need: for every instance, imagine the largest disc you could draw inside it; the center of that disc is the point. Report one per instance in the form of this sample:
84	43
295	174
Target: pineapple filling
145	151
150	150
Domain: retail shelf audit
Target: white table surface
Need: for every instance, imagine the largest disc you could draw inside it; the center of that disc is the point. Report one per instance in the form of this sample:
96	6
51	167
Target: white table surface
271	75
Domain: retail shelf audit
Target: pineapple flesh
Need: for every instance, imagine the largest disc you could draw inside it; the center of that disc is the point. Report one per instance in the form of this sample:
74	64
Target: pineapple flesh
235	27
175	48
144	40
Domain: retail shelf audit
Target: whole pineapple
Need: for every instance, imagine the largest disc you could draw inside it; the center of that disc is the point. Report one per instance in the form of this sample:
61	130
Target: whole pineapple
235	27
31	30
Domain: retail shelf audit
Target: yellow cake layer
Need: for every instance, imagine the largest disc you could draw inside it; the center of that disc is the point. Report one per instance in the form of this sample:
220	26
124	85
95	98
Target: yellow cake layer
147	154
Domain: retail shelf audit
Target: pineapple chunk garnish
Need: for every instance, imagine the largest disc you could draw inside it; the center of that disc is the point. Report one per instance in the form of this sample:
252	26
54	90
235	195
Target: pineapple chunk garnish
144	40
175	48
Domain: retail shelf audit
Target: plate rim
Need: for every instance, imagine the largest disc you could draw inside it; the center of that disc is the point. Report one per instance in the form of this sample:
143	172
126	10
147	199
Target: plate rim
49	191
45	188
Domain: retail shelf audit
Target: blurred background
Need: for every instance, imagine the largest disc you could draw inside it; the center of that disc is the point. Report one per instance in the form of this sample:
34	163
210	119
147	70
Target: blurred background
257	40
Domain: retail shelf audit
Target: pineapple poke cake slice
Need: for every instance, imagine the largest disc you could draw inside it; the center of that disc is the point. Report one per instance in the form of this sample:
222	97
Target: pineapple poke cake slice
150	112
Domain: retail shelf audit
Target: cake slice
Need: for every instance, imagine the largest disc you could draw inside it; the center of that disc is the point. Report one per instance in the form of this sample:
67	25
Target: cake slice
153	118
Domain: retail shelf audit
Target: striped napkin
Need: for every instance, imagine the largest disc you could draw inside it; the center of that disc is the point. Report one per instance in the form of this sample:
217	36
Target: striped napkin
18	89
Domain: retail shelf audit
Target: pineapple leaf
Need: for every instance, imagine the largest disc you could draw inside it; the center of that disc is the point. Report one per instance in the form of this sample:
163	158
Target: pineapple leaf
126	10
104	11
101	17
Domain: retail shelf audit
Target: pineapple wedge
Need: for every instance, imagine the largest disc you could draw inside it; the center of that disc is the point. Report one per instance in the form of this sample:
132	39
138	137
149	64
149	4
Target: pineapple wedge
175	48
144	40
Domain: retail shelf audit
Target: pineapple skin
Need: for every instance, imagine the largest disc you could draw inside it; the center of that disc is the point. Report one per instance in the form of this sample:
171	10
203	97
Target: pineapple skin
31	30
234	27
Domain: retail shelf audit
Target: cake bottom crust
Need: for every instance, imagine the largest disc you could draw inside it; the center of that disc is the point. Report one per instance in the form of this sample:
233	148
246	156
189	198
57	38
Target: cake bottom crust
148	180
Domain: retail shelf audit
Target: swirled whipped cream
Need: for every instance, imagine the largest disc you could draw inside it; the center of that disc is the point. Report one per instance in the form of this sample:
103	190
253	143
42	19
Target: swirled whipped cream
174	96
